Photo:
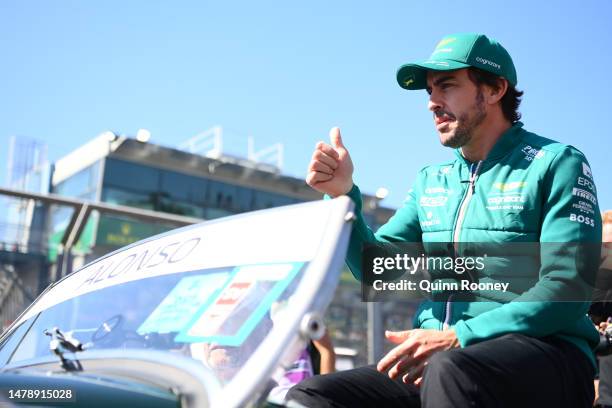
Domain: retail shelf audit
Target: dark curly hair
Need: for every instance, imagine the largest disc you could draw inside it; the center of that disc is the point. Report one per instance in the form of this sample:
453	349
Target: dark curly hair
510	101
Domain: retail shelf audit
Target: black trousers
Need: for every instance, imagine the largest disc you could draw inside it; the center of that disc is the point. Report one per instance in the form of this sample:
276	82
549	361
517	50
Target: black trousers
510	371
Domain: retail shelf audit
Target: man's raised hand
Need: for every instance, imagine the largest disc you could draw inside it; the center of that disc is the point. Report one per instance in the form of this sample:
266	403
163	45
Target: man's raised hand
331	170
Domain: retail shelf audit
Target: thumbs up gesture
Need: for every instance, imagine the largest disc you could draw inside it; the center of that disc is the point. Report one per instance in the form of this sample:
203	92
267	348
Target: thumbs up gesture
331	170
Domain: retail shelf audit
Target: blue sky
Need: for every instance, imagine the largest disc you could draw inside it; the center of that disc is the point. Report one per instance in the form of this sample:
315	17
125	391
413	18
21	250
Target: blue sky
288	71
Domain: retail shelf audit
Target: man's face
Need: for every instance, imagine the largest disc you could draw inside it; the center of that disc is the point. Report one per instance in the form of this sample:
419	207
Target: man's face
606	248
457	104
225	361
607	231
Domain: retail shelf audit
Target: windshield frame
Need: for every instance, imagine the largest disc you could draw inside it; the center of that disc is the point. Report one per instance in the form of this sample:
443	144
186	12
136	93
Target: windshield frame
316	293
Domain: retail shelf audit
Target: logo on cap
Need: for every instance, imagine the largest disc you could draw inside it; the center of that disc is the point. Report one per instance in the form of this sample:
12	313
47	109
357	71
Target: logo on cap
409	80
444	42
487	62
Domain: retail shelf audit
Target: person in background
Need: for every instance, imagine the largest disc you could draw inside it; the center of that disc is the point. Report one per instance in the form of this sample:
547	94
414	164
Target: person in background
601	311
317	358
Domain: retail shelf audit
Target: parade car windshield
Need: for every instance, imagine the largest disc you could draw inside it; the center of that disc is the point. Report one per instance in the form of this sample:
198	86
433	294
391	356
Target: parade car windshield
218	316
212	292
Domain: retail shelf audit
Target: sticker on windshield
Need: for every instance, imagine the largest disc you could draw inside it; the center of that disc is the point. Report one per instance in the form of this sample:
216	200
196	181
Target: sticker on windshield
178	308
245	299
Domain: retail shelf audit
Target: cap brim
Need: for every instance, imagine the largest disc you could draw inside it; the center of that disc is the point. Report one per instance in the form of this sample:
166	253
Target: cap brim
414	75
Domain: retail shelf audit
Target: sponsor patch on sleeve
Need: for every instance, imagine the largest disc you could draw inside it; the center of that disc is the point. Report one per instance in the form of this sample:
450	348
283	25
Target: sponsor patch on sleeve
586	170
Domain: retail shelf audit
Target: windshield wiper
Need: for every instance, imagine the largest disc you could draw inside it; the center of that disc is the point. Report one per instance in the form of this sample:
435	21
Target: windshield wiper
61	343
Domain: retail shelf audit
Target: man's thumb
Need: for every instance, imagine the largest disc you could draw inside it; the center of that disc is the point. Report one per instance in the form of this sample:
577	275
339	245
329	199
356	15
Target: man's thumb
335	138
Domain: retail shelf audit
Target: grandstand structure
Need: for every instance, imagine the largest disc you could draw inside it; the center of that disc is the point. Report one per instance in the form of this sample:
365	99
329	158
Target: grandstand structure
115	190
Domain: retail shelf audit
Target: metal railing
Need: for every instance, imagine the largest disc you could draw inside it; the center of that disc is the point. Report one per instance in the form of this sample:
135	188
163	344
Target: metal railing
24	248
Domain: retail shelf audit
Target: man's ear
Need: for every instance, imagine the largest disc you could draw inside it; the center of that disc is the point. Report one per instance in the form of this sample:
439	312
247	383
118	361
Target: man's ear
495	94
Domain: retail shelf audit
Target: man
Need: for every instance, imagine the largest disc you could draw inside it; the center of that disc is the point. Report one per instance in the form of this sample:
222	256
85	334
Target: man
505	185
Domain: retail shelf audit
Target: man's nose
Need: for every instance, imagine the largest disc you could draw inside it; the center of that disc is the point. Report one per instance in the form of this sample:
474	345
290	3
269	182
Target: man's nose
434	101
433	104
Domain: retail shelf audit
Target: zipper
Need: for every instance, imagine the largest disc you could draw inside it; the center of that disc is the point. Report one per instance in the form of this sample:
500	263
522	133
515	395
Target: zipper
457	230
466	200
447	312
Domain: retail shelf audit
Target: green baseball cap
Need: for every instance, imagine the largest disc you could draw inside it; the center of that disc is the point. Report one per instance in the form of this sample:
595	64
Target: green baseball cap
458	51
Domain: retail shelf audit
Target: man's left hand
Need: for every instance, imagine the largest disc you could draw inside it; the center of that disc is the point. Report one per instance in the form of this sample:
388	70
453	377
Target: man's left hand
414	348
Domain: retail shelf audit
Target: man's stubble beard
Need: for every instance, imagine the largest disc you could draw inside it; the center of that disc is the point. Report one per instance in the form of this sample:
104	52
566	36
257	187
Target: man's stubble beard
466	124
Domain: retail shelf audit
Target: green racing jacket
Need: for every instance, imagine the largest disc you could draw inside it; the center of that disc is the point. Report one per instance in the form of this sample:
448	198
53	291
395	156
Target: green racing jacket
529	189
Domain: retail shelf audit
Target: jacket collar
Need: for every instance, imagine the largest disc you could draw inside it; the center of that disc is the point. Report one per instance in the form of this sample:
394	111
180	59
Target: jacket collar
508	141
